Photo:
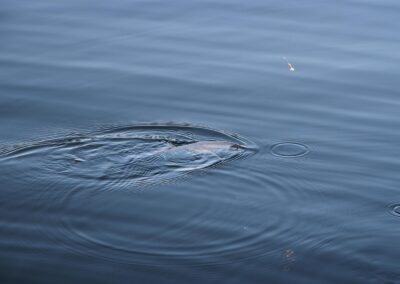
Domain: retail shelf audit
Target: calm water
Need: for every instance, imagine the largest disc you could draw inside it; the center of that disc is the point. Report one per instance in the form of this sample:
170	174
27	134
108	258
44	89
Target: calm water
258	174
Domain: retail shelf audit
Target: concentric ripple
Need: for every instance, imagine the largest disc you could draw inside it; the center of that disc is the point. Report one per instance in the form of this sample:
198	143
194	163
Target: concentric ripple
76	181
206	225
394	209
289	149
139	154
240	211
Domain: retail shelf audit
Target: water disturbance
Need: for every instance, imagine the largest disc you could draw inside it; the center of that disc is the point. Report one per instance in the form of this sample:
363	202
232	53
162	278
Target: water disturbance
394	209
289	149
308	192
90	166
140	154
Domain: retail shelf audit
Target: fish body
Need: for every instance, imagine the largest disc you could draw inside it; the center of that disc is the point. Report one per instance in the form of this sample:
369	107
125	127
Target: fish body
204	147
200	154
123	158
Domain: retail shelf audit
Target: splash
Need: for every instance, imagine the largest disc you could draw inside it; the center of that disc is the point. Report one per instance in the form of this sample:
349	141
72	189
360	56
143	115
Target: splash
139	154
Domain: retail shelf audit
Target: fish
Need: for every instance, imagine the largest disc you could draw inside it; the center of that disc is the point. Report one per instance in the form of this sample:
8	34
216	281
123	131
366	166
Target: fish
129	156
204	147
200	154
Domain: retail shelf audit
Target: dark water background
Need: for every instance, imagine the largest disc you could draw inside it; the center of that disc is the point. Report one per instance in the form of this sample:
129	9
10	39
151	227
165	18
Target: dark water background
329	216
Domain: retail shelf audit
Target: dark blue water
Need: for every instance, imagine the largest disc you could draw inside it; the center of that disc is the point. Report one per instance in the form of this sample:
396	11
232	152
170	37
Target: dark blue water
246	172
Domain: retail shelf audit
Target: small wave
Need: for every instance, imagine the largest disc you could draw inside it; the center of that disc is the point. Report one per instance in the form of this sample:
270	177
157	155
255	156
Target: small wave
121	156
289	149
394	209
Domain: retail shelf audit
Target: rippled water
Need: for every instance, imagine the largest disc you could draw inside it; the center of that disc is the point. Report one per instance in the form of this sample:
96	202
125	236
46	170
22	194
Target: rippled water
265	175
126	156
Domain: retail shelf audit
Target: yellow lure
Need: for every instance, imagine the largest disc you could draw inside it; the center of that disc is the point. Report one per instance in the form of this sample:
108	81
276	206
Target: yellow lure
290	66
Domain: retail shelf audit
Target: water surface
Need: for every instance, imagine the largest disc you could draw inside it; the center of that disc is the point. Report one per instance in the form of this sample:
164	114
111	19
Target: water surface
316	201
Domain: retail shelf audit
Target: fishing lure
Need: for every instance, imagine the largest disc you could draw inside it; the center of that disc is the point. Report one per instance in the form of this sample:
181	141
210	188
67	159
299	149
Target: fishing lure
290	66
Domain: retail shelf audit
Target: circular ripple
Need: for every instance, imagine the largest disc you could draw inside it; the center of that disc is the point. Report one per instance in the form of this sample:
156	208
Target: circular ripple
394	209
179	227
289	149
139	154
239	211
